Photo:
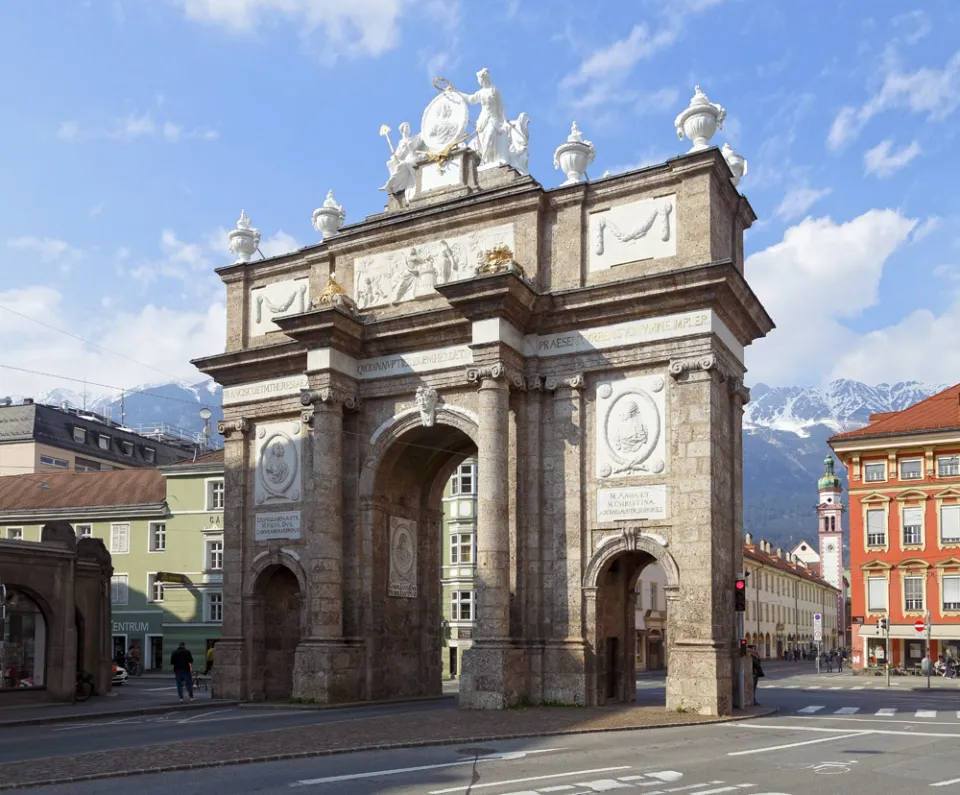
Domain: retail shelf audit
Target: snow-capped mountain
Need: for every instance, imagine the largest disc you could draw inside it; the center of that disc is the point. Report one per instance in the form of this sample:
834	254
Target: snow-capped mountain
784	438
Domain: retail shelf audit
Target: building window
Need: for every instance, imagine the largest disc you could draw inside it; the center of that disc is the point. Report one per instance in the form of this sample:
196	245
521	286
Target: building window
461	548
951	593
119	539
874	472
158	536
50	461
911	470
876	594
653	596
149	455
84	531
15	533
103	442
154	589
461	606
913	593
118	589
950	524
948	466
126	447
215	555
215	607
877	528
80	435
215	494
912	526
464	480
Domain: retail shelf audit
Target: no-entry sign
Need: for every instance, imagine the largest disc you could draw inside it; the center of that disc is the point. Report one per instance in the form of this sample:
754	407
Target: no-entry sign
919	625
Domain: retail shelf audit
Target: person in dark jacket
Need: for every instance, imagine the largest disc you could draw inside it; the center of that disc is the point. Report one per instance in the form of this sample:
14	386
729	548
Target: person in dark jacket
182	662
757	671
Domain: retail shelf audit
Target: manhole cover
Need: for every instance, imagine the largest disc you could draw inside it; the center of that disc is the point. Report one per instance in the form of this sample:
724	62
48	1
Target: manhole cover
476	751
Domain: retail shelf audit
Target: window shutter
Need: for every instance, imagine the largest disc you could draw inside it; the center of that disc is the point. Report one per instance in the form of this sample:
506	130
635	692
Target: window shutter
950	522
951	590
875	521
912	516
877	593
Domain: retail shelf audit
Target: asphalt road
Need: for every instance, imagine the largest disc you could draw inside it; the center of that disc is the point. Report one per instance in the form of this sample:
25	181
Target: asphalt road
790	754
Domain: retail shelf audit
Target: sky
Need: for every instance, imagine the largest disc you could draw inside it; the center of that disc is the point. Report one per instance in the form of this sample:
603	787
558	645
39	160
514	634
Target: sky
134	131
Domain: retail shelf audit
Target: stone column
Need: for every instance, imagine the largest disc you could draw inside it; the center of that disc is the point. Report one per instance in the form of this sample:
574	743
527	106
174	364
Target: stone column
233	655
493	675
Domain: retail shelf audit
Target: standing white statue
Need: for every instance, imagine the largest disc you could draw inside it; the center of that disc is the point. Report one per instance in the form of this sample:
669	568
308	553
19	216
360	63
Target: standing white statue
498	141
403	159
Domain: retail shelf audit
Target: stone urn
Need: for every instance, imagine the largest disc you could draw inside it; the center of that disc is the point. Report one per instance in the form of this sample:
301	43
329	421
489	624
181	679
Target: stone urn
737	163
700	120
574	156
244	240
328	219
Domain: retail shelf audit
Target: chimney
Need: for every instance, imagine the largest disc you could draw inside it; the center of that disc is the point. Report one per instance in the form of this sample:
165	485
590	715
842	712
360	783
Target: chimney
748	539
779	552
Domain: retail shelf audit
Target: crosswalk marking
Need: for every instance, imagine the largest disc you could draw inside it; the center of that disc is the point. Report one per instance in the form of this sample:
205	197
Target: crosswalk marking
858	687
838	687
604	785
926	713
813	687
810	710
557	788
847	711
629	782
887	712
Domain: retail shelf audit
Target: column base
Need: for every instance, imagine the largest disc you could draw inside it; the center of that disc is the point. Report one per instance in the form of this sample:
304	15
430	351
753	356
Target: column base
564	675
228	669
699	678
329	671
494	676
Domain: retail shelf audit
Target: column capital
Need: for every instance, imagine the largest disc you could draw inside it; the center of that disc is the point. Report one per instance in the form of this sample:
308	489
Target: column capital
555	382
230	429
497	372
329	397
705	363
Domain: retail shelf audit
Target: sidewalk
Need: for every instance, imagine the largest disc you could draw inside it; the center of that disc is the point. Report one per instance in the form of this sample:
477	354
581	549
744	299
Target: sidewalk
433	727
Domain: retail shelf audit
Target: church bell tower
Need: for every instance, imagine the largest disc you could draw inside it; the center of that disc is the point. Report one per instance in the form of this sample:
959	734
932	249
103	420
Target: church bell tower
830	510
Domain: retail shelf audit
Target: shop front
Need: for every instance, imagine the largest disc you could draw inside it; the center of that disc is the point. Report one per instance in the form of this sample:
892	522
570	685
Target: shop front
139	635
23	643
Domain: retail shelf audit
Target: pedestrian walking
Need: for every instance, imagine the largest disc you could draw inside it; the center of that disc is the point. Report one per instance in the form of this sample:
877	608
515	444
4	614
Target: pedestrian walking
209	667
757	671
840	661
182	662
829	657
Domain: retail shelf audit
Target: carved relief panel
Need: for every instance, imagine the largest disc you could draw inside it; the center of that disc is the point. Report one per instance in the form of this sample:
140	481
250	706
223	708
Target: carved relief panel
279	472
630	232
403	558
631	429
276	300
404	274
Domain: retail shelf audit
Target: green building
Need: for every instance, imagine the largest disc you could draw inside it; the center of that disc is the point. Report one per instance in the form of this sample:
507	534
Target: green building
458	565
164	530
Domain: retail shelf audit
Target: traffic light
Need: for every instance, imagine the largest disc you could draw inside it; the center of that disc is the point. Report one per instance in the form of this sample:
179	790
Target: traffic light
882	624
743	647
740	595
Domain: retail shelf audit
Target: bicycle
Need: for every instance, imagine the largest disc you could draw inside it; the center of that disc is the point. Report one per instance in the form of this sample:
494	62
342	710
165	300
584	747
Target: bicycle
199	681
85	686
133	667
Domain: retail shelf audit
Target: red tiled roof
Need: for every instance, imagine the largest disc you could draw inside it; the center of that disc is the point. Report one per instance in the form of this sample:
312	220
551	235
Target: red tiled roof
754	553
139	486
938	412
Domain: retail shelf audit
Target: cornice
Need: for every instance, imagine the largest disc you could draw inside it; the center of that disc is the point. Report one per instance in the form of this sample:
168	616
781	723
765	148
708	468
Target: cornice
329	327
80	515
232	368
503	295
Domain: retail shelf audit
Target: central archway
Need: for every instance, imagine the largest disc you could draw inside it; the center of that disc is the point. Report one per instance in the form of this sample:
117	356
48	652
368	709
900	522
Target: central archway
401	489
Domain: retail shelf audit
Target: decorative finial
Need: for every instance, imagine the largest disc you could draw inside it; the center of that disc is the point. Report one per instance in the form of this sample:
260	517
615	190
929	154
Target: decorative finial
574	156
701	119
328	219
244	240
737	163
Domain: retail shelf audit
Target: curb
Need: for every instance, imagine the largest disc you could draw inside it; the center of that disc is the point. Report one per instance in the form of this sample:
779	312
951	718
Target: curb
346	705
116	713
380	747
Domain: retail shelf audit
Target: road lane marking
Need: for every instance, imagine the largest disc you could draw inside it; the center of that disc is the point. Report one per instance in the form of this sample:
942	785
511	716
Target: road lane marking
555	788
504	757
832	738
838	687
889	732
472	787
859	687
945	783
814	687
604	784
723	789
887	711
847	711
926	713
810	710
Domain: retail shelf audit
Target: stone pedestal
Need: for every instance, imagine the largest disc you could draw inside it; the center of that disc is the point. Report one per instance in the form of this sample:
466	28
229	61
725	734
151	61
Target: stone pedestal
325	671
700	680
564	671
494	676
228	669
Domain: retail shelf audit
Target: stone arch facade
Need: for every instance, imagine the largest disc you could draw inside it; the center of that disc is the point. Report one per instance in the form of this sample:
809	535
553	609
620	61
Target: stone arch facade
596	388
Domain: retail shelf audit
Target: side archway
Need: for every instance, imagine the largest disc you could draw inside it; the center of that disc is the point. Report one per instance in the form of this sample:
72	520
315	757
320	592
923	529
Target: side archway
609	585
277	599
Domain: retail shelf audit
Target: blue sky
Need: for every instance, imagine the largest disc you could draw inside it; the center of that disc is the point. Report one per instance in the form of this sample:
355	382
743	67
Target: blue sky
135	131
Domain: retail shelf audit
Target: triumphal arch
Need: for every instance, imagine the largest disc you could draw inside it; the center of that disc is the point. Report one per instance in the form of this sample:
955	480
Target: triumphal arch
585	343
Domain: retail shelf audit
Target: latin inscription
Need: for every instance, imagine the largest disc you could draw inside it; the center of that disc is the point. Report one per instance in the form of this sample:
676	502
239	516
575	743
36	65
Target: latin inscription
639	502
270	526
420	362
261	390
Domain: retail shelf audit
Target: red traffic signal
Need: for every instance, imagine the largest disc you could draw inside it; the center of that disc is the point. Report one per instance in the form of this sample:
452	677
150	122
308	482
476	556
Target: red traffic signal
743	647
741	584
740	595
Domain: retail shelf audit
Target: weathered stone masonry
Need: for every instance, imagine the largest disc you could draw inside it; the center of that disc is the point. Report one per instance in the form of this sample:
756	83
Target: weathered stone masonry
599	385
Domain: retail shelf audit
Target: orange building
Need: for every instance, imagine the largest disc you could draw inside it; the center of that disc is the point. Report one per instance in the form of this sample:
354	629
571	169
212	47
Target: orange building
904	476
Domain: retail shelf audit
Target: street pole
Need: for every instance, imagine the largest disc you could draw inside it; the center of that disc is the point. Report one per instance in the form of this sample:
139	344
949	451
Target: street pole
929	656
740	698
886	651
818	658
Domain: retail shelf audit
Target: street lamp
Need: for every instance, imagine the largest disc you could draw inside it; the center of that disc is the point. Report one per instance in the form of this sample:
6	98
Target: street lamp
205	415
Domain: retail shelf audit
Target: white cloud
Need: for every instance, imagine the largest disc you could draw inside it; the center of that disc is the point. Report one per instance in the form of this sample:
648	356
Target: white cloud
163	339
357	27
46	251
132	127
882	162
798	200
928	227
821	273
935	92
916	24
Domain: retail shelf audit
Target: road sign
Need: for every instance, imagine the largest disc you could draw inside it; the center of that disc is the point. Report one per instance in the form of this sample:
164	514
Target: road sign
817	622
919	625
817	635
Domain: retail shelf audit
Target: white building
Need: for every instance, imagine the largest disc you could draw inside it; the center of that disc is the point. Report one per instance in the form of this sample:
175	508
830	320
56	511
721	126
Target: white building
651	619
